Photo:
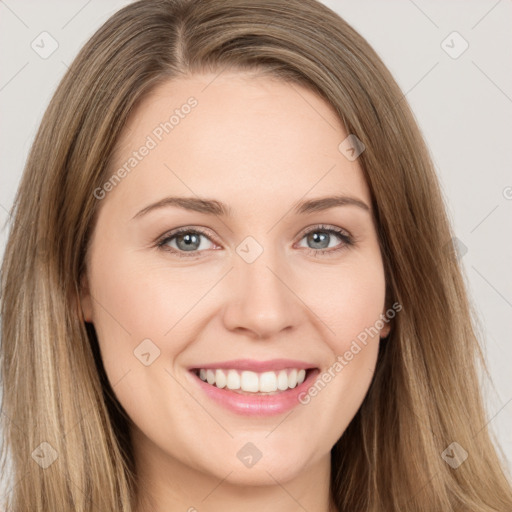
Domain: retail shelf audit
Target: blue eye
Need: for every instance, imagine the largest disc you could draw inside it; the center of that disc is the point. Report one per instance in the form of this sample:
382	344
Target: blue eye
188	241
321	237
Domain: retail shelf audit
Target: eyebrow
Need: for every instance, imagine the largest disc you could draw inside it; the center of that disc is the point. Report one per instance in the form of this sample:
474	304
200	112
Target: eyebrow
214	207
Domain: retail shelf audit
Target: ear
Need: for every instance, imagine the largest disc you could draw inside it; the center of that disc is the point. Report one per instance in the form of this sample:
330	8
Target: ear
85	298
385	330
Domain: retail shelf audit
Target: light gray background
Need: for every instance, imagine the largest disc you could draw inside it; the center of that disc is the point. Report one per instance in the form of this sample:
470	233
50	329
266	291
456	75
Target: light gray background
463	106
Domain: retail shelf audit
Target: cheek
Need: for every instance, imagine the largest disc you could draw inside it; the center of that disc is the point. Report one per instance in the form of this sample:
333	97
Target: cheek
141	301
134	313
348	298
351	309
130	307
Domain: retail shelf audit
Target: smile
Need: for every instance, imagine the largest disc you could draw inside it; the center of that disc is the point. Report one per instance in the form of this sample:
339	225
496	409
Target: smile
252	382
255	388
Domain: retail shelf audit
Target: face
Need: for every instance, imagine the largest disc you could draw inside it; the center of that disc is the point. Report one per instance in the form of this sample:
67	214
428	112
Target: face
266	291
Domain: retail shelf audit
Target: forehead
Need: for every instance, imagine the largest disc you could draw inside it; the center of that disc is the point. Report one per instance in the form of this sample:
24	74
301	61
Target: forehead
239	136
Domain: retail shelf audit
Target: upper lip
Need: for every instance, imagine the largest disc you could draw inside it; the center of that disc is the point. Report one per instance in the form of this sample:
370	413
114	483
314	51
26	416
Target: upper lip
255	366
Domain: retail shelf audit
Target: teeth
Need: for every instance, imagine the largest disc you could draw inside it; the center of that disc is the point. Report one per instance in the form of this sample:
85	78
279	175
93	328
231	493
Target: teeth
220	379
210	376
233	380
292	378
282	380
249	382
252	382
268	382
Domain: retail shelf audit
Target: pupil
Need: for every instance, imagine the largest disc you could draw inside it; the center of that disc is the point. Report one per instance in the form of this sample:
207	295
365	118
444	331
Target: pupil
318	239
191	242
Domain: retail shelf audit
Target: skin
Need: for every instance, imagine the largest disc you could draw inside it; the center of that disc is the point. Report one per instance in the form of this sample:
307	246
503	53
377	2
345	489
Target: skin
258	145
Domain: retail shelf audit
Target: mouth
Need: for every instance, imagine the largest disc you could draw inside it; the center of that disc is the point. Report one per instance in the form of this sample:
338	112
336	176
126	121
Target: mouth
258	391
253	383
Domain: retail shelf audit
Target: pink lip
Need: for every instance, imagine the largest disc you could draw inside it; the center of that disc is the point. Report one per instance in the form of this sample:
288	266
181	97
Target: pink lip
257	405
255	366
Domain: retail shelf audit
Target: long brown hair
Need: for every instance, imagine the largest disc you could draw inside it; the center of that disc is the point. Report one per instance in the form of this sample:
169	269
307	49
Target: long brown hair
57	403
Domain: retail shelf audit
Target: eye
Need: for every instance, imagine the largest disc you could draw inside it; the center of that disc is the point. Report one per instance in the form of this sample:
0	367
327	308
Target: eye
188	242
184	240
321	237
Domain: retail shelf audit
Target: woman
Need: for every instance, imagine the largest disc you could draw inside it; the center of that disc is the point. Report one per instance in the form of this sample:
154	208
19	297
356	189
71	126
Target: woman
241	296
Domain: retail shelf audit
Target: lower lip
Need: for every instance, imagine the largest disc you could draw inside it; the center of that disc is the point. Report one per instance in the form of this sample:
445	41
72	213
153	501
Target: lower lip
257	405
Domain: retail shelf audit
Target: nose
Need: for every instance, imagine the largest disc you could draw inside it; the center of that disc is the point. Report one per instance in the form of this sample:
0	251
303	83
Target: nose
262	302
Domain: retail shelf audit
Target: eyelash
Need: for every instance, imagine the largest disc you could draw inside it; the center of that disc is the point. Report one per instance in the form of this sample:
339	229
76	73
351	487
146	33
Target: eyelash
347	241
